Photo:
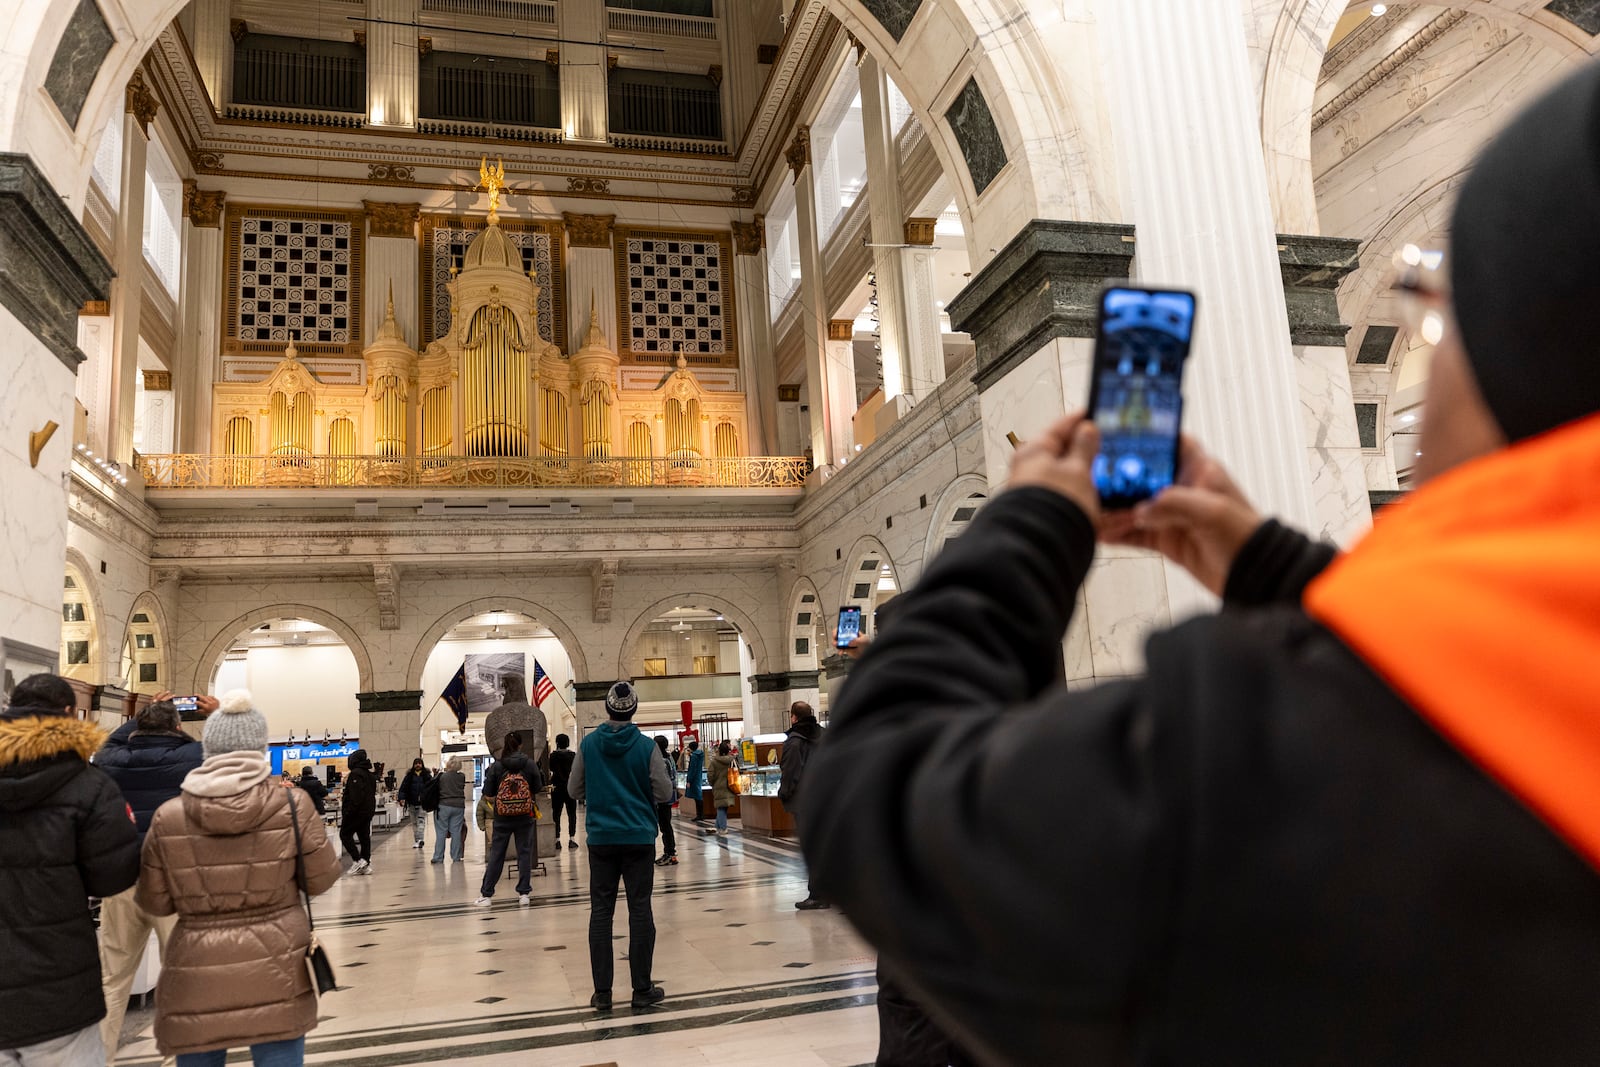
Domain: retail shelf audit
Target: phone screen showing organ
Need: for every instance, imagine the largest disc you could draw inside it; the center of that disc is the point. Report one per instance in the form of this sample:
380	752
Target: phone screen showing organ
1136	391
849	626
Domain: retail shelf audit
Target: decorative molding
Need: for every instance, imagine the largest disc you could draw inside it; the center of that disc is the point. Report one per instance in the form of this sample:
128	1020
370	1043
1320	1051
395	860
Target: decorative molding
360	39
237	28
714	72
386	582
798	154
588	231
552	57
744	195
1312	268
603	577
386	219
784	681
749	238
1044	284
390	172
1381	71
158	381
424	46
724	296
1365	36
95	307
208	161
841	329
203	207
588	692
49	267
788	394
837	666
552	280
976	135
920	231
577	184
389	700
611	62
1378	499
232	278
140	102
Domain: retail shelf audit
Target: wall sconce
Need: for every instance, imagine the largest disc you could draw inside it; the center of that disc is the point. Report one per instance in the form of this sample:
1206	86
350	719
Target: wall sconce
38	439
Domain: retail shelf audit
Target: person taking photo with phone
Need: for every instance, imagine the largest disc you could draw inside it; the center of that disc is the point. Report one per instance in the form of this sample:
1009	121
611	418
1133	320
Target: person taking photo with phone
1352	819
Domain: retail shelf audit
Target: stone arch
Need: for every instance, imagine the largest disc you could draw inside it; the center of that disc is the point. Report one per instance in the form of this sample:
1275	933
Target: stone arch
740	618
947	509
867	550
85	577
456	615
266	613
812	631
149	604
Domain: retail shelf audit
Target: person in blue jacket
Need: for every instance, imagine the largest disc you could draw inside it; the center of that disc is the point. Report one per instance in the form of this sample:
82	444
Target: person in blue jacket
696	780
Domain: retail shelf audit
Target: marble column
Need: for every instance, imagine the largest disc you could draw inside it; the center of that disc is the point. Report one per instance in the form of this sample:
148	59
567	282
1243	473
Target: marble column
590	705
741	42
591	277
759	377
127	293
213	49
391	63
156	412
776	692
392	261
583	74
924	342
199	313
93	385
390	726
885	215
842	402
813	302
791	435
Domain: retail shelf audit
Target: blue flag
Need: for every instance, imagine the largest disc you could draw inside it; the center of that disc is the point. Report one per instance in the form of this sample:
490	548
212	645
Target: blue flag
455	694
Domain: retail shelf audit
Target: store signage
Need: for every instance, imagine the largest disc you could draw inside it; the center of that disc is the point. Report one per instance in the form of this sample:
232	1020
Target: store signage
308	752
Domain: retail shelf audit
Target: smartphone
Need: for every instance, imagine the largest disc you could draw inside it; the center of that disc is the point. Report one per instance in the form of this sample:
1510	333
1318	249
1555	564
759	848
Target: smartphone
1136	390
186	705
849	626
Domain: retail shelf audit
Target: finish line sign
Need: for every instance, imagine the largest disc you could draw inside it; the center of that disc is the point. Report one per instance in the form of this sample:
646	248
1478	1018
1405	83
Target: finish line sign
333	750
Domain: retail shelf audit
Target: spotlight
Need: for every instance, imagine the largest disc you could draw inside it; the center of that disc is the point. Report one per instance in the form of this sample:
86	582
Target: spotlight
1379	10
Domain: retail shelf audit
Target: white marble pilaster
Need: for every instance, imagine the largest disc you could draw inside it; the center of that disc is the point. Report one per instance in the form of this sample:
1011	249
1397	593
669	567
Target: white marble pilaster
392	738
156	421
127	292
1333	455
591	276
213	48
93	384
392	63
583	75
199	343
841	374
391	261
924	343
813	317
886	217
760	377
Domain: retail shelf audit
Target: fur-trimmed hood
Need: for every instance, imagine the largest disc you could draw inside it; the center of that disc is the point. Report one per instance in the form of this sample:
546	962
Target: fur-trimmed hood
41	753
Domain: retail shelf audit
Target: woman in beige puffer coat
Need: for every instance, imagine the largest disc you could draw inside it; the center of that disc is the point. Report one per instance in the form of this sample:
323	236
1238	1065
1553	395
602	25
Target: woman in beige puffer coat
221	856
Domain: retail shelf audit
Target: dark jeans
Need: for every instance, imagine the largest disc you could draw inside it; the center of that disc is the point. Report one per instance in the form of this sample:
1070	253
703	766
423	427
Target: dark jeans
669	840
634	867
561	800
906	1036
355	832
504	831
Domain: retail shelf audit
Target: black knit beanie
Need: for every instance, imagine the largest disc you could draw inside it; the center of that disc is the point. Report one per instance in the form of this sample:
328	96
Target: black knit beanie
1525	262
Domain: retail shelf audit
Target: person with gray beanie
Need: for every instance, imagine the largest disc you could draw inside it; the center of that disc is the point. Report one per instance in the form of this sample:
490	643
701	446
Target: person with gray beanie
620	777
1352	819
223	857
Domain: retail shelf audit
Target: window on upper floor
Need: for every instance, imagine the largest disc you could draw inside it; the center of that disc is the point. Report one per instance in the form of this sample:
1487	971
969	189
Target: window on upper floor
664	104
107	171
163	206
299	72
783	251
492	89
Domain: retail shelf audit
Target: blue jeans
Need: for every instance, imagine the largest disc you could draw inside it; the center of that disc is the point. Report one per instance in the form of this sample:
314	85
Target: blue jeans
291	1053
449	823
722	818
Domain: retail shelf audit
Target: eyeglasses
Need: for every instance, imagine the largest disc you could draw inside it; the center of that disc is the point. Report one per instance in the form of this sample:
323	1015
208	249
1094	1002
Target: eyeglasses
1425	299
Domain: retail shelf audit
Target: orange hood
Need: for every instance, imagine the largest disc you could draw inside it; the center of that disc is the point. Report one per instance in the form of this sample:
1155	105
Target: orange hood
1477	600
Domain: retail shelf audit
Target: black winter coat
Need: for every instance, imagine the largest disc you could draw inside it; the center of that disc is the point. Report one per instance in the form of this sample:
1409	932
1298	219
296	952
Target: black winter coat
412	785
360	797
315	790
65	836
799	744
148	768
518	763
1255	854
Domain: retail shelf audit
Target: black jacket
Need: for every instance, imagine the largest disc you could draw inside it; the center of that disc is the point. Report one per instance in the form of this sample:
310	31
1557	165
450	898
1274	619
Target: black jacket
148	768
1255	854
412	785
65	836
359	800
561	767
519	763
798	746
316	791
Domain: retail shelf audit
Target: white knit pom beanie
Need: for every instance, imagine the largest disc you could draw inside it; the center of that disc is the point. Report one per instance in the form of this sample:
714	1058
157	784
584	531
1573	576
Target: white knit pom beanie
236	726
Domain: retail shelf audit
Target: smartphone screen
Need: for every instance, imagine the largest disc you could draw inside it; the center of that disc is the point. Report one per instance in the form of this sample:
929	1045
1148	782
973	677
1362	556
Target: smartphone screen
186	704
1136	396
849	626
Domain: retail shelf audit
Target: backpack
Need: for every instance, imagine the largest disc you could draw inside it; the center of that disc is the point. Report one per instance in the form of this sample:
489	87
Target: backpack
430	794
514	797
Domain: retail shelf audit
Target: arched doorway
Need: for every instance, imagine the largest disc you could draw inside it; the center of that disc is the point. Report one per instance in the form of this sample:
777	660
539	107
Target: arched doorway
696	651
490	647
144	650
302	675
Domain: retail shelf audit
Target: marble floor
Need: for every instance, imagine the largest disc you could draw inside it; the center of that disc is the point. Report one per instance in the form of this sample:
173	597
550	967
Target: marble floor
425	977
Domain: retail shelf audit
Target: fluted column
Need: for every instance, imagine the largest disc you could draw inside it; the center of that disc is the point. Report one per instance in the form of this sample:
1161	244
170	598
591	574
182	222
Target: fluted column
583	73
885	215
813	301
756	357
591	278
392	262
842	402
391	63
213	49
199	312
924	343
127	291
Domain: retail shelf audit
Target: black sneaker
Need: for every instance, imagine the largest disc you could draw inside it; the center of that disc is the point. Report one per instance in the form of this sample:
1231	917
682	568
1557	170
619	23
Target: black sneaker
600	1002
812	904
572	842
654	995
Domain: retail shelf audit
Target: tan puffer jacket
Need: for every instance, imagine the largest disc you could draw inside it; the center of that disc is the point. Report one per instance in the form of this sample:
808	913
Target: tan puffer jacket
234	973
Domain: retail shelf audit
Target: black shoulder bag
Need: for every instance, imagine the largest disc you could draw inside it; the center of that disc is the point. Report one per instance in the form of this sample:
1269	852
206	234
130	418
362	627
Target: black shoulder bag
317	963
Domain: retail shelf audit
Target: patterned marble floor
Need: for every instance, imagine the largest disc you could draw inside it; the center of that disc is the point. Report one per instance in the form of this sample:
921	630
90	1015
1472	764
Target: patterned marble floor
427	978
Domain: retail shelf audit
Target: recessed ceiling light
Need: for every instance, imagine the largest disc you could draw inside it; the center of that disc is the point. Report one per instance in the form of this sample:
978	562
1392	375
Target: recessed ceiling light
1379	10
1408	418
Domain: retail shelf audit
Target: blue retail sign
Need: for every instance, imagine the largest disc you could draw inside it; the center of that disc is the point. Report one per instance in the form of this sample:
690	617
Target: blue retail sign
330	750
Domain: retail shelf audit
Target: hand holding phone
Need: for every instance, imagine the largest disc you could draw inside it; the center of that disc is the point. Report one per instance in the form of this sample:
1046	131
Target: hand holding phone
849	626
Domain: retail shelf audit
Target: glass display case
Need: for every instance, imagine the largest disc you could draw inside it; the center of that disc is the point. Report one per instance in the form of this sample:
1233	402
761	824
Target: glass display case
761	781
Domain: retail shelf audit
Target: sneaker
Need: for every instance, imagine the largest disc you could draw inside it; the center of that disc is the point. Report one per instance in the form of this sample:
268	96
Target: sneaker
416	844
722	833
483	902
524	900
654	995
709	830
572	842
812	904
436	861
600	1002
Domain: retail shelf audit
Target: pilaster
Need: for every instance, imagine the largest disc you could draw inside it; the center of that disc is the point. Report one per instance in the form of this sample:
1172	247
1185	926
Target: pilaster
924	343
591	277
391	64
391	726
884	214
127	292
583	73
813	302
213	48
760	377
841	372
776	692
392	262
199	306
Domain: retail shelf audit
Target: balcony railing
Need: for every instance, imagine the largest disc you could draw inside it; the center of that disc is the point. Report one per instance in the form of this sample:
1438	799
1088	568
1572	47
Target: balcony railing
468	472
683	146
296	116
662	24
465	129
542	12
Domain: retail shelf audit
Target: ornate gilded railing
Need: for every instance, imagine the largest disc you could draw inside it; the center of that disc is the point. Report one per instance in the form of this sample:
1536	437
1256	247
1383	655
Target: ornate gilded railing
468	472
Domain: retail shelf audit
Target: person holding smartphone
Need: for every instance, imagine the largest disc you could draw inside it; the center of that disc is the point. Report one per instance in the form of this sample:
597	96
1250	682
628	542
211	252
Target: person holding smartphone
1352	819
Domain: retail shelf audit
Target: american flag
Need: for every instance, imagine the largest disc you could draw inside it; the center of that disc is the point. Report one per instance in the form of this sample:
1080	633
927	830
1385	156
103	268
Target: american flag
543	687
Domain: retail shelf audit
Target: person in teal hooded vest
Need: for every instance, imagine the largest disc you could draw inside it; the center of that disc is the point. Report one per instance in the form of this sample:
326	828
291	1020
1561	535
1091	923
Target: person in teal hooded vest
620	778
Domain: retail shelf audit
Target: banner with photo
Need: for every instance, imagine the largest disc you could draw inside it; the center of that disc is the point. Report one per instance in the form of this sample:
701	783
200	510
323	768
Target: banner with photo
486	678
